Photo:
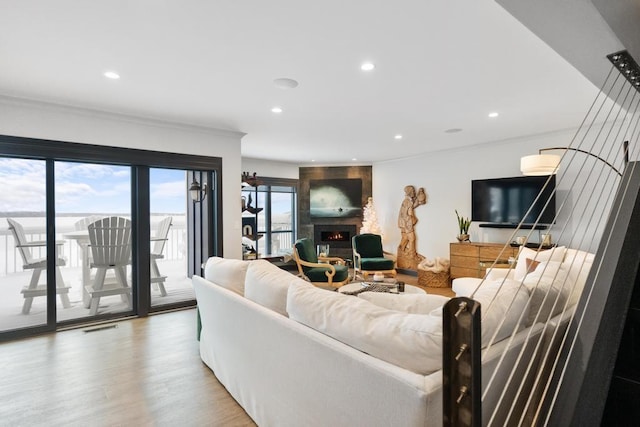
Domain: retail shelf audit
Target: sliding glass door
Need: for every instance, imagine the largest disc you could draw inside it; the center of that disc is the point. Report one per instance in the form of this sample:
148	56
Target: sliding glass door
168	200
23	245
95	233
93	222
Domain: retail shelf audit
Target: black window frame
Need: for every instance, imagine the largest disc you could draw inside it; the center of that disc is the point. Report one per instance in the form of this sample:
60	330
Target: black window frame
206	240
266	184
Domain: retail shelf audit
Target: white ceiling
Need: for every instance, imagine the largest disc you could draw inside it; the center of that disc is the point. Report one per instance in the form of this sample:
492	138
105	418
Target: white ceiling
439	65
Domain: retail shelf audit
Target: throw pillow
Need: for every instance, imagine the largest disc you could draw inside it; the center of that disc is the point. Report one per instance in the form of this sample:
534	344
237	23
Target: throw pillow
549	289
553	254
228	273
407	303
504	309
531	265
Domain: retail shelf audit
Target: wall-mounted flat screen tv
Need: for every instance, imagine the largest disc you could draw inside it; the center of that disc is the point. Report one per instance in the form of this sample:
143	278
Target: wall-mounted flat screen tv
507	200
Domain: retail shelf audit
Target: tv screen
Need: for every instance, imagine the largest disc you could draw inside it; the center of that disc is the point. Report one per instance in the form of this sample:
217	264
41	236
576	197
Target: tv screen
507	200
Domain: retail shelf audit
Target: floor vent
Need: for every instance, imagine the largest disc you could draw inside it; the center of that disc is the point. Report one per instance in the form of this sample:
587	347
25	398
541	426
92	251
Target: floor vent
101	328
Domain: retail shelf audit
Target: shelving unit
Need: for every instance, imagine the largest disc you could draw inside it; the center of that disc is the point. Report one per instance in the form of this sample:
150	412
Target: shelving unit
249	197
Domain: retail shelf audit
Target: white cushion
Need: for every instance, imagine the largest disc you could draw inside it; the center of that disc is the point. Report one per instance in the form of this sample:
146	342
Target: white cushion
267	285
411	341
510	304
549	288
553	254
407	303
228	273
464	286
578	263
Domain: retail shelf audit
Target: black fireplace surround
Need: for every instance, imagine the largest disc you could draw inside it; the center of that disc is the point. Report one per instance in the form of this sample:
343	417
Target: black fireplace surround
336	235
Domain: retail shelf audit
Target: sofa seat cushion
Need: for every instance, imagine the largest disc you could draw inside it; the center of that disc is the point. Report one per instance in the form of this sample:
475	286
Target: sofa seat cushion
318	274
228	273
370	264
411	341
267	285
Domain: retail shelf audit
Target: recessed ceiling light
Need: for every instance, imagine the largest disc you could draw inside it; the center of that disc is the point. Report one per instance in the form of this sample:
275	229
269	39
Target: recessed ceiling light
398	136
493	114
285	83
276	110
112	75
354	159
367	66
453	130
312	161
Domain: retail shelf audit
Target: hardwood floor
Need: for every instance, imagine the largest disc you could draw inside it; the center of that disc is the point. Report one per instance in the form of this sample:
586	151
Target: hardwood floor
142	372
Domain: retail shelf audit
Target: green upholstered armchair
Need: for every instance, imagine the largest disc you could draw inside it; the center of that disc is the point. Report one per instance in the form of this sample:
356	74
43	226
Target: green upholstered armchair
368	256
319	270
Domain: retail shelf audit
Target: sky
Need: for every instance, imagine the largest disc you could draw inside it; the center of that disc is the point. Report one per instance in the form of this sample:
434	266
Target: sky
86	188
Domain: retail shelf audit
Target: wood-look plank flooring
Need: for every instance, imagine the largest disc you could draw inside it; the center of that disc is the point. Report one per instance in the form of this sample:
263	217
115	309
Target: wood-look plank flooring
144	372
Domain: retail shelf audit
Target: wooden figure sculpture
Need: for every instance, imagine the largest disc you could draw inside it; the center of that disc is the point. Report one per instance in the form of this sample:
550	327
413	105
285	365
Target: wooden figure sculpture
408	256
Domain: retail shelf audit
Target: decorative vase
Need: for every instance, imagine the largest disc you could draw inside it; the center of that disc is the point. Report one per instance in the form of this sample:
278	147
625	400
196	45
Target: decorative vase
463	237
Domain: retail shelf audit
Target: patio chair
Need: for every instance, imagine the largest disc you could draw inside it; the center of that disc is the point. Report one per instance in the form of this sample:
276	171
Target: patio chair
318	270
110	245
37	265
159	240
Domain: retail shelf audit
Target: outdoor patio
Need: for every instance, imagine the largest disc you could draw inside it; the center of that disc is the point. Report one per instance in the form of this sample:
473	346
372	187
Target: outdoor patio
177	285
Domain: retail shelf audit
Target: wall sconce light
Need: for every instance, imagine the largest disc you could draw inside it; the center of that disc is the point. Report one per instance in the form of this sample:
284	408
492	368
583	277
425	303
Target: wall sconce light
548	164
197	192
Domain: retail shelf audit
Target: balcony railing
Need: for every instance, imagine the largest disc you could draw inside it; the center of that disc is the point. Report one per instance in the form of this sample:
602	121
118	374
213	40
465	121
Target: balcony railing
11	261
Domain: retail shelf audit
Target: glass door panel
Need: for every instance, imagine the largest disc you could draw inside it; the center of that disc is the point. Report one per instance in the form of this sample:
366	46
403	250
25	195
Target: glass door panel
168	221
93	219
282	219
23	252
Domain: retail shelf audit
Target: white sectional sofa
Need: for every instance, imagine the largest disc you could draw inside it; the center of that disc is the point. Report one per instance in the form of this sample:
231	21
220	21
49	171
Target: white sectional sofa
295	355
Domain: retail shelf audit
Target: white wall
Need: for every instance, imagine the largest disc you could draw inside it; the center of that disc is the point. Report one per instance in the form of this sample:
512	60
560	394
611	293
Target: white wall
446	177
270	168
47	121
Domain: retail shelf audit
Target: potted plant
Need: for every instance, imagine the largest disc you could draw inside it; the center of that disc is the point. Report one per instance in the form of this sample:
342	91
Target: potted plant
463	226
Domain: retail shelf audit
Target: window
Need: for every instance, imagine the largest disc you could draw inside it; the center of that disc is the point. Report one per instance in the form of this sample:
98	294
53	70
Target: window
276	217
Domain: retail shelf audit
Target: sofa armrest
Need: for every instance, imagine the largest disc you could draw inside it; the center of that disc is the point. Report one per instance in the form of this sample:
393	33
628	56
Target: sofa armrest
499	273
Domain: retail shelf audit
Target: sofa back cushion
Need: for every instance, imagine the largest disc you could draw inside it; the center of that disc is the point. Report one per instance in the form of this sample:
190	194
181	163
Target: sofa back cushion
411	341
407	303
267	285
228	273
